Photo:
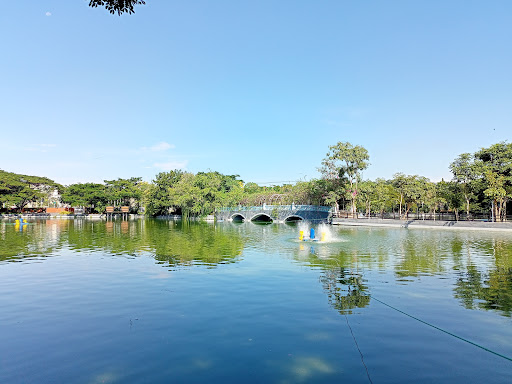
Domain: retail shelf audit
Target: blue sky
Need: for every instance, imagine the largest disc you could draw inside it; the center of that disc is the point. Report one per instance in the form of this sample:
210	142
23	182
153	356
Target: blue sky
259	89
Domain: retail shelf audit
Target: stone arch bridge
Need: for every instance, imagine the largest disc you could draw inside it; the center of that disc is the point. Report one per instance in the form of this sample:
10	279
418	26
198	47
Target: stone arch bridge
275	213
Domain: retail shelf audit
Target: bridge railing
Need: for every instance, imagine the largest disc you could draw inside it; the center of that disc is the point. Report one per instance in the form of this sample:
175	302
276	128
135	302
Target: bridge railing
288	207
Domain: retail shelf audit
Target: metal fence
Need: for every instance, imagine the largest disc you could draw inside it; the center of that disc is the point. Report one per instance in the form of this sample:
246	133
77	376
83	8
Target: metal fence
442	216
289	207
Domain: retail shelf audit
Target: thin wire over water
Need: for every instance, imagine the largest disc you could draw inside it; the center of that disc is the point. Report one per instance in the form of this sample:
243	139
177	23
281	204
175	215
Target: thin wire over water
443	330
357	345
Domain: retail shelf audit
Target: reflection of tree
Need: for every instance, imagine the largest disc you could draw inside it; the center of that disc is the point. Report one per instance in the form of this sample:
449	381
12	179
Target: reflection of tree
344	289
491	291
469	287
488	289
169	242
116	237
198	243
30	240
420	255
480	263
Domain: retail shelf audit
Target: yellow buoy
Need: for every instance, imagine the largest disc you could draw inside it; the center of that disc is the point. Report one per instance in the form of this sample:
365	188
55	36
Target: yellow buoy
301	235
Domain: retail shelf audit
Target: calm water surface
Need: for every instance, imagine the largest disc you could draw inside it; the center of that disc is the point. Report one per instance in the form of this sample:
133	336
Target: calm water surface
152	301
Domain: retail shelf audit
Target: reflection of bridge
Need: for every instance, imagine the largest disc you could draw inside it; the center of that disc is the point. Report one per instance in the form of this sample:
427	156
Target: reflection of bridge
275	213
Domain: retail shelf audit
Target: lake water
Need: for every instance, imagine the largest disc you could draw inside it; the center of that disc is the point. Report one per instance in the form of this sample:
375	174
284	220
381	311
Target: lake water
151	301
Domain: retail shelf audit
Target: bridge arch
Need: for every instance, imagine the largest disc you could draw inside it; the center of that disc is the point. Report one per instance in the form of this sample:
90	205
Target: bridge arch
293	218
237	217
262	218
275	213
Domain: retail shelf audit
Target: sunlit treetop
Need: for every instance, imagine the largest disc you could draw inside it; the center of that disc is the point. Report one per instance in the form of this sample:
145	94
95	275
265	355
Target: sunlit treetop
117	6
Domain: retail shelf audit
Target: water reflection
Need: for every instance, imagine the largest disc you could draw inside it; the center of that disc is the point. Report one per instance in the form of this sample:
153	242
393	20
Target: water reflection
33	241
346	290
490	291
108	299
477	265
191	244
170	243
480	264
486	285
421	254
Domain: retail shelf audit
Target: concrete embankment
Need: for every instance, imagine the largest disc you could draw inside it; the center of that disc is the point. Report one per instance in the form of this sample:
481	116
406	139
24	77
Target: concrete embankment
440	224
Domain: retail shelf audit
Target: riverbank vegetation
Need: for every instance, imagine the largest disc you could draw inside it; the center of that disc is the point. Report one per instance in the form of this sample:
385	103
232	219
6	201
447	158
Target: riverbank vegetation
17	191
481	185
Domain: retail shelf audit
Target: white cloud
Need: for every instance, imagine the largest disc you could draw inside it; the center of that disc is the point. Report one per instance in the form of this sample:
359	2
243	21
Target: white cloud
160	147
48	13
170	165
39	147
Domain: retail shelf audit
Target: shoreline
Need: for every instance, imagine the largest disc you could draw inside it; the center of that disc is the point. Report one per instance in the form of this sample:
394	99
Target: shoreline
425	224
92	216
385	223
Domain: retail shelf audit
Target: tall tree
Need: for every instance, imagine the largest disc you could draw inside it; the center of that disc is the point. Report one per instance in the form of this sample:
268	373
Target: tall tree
385	194
157	197
186	195
451	192
495	166
411	189
343	164
497	191
367	195
465	173
432	195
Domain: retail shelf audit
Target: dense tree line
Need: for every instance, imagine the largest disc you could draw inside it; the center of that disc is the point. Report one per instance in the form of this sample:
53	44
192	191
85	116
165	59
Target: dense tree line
95	197
188	194
18	190
481	184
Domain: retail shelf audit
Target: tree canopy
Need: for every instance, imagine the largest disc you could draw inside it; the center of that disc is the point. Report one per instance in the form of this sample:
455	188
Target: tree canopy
95	196
192	194
494	165
464	174
481	185
117	6
88	195
342	166
18	190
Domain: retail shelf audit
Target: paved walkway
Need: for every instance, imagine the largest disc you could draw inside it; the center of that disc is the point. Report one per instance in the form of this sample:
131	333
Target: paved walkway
438	224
